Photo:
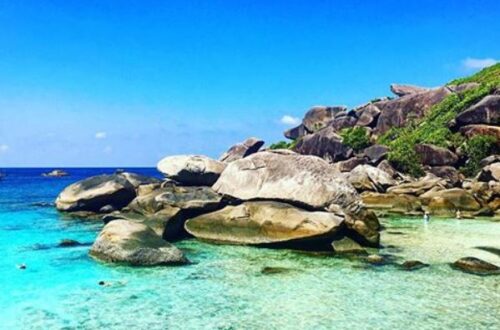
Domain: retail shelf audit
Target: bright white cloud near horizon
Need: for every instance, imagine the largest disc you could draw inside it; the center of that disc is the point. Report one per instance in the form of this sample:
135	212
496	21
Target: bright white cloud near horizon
290	120
471	64
101	135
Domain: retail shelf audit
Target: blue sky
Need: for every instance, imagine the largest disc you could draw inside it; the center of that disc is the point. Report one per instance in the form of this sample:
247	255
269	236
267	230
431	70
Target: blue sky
124	83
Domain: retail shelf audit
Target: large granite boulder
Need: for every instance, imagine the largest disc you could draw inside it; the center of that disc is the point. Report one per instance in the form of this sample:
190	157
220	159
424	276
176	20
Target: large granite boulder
267	223
435	156
472	130
298	179
419	187
489	173
402	90
486	111
135	244
376	153
326	144
397	112
191	170
341	122
241	150
369	178
167	208
448	201
93	194
349	164
392	203
367	115
448	173
296	132
319	116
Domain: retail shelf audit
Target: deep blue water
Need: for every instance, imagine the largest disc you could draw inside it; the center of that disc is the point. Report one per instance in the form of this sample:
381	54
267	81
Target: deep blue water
224	288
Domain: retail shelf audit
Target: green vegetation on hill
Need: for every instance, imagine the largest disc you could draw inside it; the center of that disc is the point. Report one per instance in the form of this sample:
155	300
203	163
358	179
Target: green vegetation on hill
477	148
355	137
433	127
283	145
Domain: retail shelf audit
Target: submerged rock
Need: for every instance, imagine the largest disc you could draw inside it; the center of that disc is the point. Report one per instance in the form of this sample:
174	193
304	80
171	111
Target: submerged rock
413	265
242	150
191	170
347	246
475	266
135	244
266	223
69	243
268	270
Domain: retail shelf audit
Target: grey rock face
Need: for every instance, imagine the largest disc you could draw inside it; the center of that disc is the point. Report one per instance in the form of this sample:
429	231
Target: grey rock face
242	150
91	194
402	90
435	156
134	244
191	170
325	144
487	111
319	116
294	178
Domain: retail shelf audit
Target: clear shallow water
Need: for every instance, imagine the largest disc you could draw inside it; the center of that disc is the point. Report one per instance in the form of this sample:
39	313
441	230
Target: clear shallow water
224	288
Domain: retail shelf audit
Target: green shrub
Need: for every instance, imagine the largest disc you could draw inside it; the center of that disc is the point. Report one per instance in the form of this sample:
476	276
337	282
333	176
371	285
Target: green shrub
433	127
477	148
355	137
283	145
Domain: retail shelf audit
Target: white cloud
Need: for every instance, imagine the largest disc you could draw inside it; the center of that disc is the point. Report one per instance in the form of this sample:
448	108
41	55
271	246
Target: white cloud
100	135
4	147
477	63
289	120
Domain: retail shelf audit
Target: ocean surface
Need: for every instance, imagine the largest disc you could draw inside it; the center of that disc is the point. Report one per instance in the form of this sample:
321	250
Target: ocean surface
225	287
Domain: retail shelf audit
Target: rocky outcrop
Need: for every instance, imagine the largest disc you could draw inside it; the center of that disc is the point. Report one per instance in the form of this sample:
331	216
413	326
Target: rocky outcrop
446	202
297	179
191	170
396	113
135	244
376	153
403	90
367	115
326	144
266	223
487	111
166	209
296	132
339	123
111	192
476	266
350	164
392	203
435	156
319	116
242	150
347	246
419	187
470	131
489	173
448	173
369	178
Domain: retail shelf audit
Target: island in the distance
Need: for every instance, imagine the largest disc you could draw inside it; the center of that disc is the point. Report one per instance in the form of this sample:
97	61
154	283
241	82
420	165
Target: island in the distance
427	151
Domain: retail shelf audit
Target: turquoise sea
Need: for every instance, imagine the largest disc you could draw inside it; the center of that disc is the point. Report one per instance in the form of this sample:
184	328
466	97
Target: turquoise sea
225	287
